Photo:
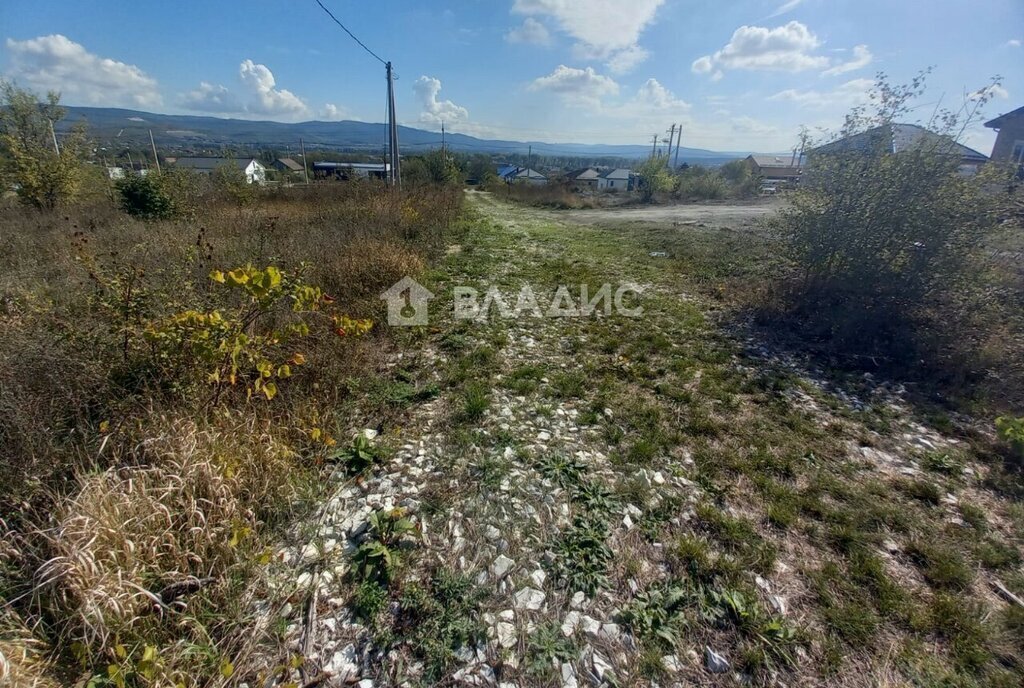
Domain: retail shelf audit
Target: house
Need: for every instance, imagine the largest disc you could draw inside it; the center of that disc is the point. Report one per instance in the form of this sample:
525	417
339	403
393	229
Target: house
350	170
286	165
583	178
775	168
1009	145
897	138
255	172
619	179
524	175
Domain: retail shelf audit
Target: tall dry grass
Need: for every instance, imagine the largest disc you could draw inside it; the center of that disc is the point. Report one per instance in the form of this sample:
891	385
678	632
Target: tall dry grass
137	511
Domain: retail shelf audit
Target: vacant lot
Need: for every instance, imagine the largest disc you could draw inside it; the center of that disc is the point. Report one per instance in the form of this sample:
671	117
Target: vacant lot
734	215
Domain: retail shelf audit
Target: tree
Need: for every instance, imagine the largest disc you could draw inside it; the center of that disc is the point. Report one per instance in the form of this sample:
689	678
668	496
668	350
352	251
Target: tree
44	177
881	240
655	178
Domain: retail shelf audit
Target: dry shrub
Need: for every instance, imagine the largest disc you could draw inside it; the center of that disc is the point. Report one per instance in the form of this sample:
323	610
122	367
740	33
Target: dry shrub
23	662
549	195
186	505
367	266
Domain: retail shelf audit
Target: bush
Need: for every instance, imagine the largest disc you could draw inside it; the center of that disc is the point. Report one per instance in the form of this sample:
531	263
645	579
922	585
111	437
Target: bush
700	184
143	196
883	243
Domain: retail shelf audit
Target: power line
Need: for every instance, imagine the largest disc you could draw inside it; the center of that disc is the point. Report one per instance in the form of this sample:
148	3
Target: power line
363	45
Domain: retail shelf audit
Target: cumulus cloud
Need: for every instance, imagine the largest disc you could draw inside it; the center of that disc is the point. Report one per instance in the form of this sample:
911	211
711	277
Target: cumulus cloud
784	48
849	93
862	57
268	100
56	63
437	111
333	113
258	96
604	29
627	60
576	86
211	98
532	31
654	95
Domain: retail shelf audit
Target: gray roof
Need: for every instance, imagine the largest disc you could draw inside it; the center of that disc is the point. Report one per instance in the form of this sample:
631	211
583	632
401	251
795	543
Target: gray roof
371	166
212	163
290	164
774	160
618	173
584	174
896	138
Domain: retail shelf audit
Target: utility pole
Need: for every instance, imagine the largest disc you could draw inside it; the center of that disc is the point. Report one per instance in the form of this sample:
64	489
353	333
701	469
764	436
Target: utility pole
442	140
679	141
529	161
155	158
396	171
654	145
305	169
56	148
671	140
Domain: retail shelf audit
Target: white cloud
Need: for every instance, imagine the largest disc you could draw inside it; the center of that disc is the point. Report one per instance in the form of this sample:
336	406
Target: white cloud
333	113
259	96
267	99
1012	43
437	111
862	57
57	63
532	31
577	86
993	91
211	98
654	95
784	48
785	7
627	60
749	125
849	93
604	29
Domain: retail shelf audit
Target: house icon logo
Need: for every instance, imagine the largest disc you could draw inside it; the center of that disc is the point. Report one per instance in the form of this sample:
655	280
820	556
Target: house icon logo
407	303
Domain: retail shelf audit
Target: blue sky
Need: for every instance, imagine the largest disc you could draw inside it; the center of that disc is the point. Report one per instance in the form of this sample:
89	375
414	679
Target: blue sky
737	74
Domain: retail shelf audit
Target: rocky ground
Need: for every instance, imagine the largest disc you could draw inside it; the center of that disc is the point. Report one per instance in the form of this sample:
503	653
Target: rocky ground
624	501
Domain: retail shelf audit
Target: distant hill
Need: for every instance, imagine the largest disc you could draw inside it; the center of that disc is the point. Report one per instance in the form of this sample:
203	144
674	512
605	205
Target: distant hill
115	127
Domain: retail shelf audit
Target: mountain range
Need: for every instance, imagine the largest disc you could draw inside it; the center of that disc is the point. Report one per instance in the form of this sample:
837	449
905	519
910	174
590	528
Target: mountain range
117	128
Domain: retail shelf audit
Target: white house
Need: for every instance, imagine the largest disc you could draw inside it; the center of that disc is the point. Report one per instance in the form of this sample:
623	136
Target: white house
348	170
255	172
619	179
521	175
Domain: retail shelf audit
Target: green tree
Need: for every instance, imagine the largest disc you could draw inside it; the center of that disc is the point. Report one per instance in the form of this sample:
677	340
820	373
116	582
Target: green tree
230	181
44	178
882	240
655	178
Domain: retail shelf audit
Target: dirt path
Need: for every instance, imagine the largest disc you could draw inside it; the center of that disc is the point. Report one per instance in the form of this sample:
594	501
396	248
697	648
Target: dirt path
734	215
611	500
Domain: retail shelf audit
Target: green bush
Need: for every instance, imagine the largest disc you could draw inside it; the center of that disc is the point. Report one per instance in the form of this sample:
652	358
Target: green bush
698	184
143	196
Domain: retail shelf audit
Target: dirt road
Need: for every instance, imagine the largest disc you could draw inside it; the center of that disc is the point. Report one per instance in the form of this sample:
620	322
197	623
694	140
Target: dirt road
715	215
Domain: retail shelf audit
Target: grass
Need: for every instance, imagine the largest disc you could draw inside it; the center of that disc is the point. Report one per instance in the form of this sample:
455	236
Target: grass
142	485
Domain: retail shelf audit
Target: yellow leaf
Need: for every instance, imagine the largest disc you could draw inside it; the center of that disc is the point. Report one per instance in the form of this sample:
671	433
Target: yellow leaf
227	669
270	390
104	425
298	359
217	276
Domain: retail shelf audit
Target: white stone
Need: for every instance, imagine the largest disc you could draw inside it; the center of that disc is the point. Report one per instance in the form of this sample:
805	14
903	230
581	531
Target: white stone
762	583
543	436
590	626
507	615
572	620
506	634
578	598
672	663
778	604
538	577
601	665
310	552
501	566
492	533
568	676
528	598
610	631
343	665
716	663
370	434
658	478
365	683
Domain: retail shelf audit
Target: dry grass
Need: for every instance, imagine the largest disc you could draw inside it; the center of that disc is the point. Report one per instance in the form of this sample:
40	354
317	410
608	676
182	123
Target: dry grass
140	512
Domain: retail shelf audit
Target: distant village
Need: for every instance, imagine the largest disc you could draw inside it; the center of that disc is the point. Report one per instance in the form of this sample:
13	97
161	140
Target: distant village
774	172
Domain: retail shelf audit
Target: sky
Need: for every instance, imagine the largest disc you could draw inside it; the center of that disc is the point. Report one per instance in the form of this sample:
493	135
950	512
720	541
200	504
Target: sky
736	74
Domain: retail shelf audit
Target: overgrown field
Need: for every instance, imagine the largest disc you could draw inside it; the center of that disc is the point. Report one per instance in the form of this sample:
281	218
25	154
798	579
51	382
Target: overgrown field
169	393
